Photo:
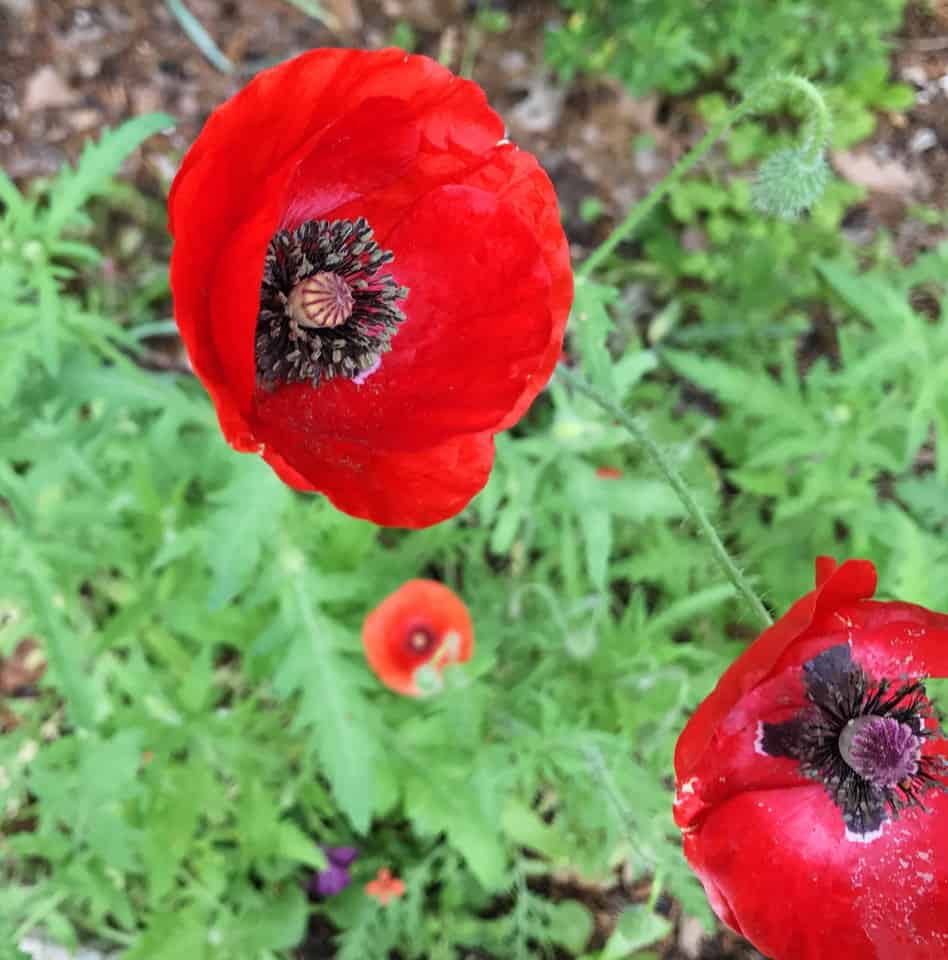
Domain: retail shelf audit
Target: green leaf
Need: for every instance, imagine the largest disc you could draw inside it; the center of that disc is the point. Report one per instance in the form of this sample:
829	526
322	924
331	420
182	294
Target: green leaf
199	36
97	165
591	325
172	935
294	843
244	523
315	10
177	805
871	297
638	927
448	804
10	197
331	706
746	390
571	925
274	922
525	829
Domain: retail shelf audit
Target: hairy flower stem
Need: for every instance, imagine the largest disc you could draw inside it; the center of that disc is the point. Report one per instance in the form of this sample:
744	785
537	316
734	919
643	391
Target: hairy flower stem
668	470
815	135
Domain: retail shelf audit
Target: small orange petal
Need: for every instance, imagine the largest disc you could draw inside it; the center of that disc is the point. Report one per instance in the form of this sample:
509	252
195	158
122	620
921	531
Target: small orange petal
385	887
608	473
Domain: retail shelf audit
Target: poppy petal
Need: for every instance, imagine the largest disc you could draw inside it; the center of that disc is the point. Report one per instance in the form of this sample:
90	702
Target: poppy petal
394	488
852	581
479	290
870	900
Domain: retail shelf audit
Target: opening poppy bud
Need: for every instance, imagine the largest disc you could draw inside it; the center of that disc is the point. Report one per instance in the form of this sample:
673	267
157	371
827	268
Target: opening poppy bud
881	749
322	300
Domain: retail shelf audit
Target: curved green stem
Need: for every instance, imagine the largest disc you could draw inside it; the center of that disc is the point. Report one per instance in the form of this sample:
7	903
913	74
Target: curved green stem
815	135
818	122
668	470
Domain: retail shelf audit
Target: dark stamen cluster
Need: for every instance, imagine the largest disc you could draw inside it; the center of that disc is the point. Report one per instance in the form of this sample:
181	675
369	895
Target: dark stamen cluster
839	691
289	351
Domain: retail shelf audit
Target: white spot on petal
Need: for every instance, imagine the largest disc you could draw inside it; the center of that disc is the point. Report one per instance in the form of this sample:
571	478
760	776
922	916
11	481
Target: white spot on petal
864	837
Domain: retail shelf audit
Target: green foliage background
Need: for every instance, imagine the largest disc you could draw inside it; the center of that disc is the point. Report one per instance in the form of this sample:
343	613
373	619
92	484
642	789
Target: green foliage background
208	721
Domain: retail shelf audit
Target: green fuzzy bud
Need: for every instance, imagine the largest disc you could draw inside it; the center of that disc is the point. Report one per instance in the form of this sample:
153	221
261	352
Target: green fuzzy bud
790	182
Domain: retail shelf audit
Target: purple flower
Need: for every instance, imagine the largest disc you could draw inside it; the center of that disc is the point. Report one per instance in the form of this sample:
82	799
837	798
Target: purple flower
335	878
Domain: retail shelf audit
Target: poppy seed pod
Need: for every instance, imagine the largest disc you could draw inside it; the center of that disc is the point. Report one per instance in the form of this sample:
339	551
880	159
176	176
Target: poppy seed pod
370	281
811	783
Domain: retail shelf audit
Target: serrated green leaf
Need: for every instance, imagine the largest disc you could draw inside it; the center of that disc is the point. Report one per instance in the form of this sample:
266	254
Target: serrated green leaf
331	706
748	390
591	325
638	927
295	844
242	527
97	165
571	925
869	296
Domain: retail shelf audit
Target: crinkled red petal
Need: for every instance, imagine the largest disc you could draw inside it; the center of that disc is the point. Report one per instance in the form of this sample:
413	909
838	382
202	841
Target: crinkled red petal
776	869
414	488
242	176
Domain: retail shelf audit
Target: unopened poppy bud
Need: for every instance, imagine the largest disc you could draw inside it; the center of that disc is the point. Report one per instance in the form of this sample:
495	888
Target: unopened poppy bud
321	300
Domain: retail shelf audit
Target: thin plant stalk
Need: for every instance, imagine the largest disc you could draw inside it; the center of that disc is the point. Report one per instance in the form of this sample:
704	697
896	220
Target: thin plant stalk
637	429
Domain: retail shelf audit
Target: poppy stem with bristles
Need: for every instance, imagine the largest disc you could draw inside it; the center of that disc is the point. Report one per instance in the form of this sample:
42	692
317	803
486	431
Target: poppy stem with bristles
668	470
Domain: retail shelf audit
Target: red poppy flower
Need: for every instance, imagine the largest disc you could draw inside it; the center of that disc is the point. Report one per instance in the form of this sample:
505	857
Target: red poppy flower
369	280
421	624
608	473
385	887
811	782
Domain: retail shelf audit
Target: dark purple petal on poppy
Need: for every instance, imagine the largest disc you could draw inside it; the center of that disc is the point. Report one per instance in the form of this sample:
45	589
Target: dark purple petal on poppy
341	856
332	881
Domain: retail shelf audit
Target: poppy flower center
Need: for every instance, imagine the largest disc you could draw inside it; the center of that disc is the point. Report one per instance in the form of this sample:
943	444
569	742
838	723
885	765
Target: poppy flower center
420	640
862	739
881	749
326	309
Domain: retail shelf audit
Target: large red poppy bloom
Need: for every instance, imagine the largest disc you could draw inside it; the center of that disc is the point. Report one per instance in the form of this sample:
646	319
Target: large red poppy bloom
811	781
369	280
422	624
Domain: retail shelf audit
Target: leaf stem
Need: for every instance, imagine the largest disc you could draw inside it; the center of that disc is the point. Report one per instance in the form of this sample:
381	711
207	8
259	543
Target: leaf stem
668	470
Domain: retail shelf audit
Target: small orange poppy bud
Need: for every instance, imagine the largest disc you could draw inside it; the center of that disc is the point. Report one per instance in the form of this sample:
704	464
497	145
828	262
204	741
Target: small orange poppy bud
423	624
385	887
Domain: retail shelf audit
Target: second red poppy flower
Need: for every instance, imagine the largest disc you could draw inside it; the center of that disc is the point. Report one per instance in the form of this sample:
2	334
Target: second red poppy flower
370	281
813	781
